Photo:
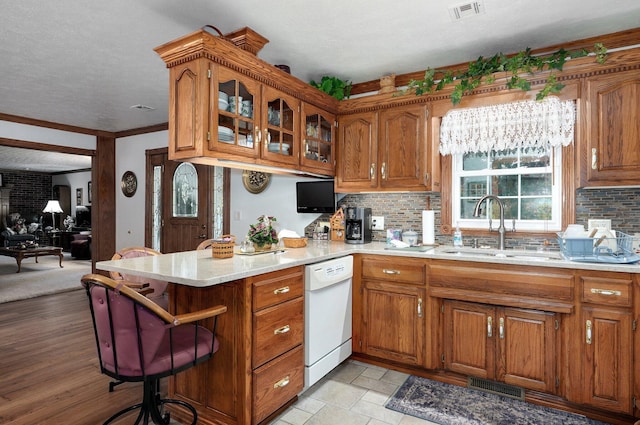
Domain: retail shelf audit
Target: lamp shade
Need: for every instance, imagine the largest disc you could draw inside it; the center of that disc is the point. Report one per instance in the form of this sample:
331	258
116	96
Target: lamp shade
53	206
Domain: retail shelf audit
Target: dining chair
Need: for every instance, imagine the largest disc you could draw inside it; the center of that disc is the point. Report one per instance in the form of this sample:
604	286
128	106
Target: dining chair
152	288
137	340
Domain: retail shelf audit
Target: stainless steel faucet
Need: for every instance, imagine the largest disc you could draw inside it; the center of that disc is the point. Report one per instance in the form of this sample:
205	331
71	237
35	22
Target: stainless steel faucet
501	230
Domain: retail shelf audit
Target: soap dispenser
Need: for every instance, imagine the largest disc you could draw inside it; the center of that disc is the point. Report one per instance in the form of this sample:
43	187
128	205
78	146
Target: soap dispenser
457	236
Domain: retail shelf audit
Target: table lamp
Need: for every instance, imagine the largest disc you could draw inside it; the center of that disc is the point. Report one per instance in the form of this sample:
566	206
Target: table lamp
53	207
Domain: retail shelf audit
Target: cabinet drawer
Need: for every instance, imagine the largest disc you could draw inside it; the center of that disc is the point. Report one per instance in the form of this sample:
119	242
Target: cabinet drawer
398	271
607	291
277	382
277	287
277	329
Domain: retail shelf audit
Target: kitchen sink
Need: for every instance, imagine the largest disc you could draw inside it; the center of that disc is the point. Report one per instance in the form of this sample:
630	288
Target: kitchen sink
519	254
420	248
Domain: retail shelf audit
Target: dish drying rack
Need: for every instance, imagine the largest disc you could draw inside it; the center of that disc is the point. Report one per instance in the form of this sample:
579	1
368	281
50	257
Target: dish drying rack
618	250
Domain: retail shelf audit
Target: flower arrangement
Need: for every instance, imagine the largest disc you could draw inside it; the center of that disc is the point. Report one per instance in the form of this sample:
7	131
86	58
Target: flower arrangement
262	233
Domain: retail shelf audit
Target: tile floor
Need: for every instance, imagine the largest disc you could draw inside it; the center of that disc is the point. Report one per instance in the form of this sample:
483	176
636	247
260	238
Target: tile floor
352	394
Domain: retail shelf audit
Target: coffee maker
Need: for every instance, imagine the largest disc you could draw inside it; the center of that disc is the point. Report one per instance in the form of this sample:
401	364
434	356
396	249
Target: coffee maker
358	224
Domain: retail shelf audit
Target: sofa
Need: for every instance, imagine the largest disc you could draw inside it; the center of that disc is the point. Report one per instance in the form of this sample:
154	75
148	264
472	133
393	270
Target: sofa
81	246
18	229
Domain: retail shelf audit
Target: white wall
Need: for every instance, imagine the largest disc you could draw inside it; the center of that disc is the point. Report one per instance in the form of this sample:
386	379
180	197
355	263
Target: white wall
130	156
277	200
74	181
12	130
31	133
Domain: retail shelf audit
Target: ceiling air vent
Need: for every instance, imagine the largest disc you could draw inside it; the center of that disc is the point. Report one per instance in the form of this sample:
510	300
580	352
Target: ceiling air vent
466	10
142	107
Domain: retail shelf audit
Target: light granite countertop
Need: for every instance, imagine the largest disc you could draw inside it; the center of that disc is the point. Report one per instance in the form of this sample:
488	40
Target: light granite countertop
199	269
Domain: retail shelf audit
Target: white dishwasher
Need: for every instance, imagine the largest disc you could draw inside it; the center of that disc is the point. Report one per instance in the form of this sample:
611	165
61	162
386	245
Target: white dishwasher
327	326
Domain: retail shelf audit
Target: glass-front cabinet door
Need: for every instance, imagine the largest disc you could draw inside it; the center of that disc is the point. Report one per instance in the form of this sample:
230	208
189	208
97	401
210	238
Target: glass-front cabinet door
318	139
236	104
280	127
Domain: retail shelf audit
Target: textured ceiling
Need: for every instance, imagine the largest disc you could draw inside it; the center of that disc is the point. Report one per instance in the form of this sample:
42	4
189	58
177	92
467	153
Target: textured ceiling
86	62
18	159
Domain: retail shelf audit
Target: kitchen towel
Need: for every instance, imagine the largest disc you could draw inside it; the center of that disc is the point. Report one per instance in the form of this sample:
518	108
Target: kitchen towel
428	227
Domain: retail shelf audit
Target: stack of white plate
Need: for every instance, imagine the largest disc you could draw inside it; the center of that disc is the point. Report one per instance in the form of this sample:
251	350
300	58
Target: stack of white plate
223	101
275	147
225	134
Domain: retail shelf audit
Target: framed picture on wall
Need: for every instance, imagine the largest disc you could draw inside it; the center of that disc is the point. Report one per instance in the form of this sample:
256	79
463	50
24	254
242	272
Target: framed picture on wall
79	196
89	192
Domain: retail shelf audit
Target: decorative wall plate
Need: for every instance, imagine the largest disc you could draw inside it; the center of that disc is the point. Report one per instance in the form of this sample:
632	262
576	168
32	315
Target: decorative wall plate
129	184
255	181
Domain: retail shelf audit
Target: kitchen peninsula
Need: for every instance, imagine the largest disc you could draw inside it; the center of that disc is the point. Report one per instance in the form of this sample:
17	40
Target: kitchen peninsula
563	332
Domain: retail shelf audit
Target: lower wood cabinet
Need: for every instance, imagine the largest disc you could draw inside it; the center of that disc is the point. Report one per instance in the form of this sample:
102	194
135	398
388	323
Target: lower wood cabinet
568	336
605	342
260	364
510	345
278	333
393	310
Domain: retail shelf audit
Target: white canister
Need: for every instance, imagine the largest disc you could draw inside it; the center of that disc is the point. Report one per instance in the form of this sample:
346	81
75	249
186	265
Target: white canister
410	237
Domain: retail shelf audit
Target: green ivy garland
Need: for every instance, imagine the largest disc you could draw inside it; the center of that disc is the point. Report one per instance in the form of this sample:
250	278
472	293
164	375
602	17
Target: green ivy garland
483	70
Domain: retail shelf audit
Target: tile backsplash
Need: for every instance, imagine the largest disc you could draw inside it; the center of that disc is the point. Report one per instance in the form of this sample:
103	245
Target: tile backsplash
404	211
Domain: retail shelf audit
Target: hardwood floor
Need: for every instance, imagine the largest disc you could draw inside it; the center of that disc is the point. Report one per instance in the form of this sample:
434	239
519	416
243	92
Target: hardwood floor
49	368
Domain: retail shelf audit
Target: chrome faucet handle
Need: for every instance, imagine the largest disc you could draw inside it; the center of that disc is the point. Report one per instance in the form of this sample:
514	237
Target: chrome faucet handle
491	229
513	225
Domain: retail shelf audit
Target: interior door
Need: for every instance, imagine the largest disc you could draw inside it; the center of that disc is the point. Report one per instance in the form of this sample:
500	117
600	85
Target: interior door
186	206
178	203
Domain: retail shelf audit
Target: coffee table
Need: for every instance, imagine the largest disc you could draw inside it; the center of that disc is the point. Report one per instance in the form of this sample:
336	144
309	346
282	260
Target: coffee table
21	254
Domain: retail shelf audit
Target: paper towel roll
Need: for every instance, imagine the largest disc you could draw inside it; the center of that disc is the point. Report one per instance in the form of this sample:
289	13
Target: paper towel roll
428	227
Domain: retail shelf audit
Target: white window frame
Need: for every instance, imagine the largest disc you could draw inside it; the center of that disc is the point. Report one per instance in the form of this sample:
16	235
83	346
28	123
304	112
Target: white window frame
555	224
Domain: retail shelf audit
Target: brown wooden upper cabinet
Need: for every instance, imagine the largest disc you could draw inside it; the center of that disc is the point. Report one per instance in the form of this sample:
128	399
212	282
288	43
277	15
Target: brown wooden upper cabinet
387	150
318	141
612	145
227	107
247	120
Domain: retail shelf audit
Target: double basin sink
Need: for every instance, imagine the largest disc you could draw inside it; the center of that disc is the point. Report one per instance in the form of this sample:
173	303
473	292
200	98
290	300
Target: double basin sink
462	252
517	254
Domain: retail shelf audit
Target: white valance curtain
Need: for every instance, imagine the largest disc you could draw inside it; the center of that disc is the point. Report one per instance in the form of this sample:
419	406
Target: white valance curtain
530	123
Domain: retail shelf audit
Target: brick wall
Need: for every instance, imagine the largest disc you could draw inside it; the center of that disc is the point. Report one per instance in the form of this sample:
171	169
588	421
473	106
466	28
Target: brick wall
29	191
403	211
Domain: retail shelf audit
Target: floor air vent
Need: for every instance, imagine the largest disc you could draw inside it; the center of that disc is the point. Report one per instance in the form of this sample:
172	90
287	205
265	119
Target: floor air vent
495	388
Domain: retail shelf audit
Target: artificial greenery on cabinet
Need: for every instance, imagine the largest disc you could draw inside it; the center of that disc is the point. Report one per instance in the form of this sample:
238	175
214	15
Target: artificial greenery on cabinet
484	71
333	86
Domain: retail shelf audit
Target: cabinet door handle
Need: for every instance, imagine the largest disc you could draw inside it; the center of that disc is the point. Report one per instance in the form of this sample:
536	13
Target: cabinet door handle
501	328
267	136
594	159
606	292
282	383
383	171
372	171
589	330
426	177
282	330
282	290
420	307
258	135
489	327
389	271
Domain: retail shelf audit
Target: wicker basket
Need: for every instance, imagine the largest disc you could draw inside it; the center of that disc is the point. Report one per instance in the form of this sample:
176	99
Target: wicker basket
223	247
294	242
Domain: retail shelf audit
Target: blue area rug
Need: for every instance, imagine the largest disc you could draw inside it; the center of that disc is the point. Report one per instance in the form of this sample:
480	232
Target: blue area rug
453	405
